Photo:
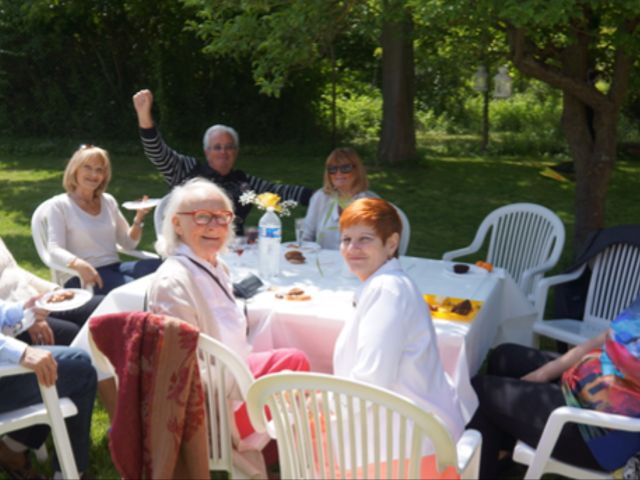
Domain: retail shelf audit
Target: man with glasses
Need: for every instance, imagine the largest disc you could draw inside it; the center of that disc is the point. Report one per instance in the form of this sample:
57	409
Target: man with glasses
220	145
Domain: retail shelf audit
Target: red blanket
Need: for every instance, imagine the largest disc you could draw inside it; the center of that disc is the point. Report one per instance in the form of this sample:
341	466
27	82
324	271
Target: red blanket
159	428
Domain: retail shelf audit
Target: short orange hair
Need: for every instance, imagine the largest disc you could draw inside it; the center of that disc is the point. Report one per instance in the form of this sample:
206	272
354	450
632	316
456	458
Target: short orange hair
375	213
343	156
81	156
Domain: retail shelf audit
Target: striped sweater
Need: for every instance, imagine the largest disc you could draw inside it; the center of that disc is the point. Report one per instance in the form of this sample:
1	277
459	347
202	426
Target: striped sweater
178	168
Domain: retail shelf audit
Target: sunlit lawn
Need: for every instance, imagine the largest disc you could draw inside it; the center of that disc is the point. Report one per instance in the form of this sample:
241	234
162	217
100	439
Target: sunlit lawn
445	195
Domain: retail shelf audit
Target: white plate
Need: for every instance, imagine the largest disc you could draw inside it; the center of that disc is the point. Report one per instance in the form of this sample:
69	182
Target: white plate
474	270
80	297
310	247
308	290
139	204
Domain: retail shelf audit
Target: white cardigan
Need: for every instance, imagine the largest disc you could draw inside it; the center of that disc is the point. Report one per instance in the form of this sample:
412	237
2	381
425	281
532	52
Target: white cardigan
391	342
74	233
17	284
321	224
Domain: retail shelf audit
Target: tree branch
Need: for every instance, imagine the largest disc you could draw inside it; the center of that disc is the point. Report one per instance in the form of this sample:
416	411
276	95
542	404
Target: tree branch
525	61
621	66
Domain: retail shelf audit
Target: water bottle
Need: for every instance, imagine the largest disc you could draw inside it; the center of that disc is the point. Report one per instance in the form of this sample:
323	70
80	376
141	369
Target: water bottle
269	237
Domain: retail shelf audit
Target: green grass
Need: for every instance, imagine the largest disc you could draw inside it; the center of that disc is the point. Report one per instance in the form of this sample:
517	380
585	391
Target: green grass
446	194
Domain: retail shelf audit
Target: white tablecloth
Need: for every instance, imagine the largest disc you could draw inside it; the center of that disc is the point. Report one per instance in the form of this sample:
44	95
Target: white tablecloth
314	325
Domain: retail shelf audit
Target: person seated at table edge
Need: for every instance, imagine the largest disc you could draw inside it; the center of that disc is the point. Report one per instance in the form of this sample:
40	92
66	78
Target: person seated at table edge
344	180
221	145
85	226
70	370
390	341
194	285
19	285
522	386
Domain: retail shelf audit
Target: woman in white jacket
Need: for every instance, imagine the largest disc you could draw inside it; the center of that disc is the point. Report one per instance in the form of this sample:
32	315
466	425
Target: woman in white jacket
390	341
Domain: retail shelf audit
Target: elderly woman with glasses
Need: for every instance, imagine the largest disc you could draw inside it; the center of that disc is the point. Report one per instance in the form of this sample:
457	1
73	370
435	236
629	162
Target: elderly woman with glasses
85	225
390	341
345	180
194	284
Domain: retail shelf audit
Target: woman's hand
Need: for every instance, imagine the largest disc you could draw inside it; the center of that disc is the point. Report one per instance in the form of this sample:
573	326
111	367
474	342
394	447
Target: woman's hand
140	214
41	333
42	363
142	102
88	274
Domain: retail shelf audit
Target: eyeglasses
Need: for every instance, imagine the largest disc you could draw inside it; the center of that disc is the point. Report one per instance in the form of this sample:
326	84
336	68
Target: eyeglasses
204	217
229	147
346	168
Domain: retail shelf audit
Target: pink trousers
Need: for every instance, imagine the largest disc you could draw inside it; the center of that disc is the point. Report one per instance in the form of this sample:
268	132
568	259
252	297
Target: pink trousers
263	363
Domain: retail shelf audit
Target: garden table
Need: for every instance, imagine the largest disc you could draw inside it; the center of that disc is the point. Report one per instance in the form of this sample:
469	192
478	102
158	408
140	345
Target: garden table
313	325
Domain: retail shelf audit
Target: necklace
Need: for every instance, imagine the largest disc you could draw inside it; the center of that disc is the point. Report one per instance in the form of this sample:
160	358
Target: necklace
91	205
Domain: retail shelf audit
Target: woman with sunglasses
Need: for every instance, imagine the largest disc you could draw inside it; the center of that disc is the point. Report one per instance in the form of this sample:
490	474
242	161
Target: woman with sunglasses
194	284
85	226
345	180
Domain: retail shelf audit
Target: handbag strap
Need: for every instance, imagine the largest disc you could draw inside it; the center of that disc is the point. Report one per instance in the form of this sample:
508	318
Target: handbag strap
208	272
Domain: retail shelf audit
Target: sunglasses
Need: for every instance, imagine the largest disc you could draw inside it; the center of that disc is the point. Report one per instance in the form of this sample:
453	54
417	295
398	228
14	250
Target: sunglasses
204	217
346	168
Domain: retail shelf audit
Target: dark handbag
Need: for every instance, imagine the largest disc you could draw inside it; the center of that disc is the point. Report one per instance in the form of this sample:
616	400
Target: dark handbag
247	287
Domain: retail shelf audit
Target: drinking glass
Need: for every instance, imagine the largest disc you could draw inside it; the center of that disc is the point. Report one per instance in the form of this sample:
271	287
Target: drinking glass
299	222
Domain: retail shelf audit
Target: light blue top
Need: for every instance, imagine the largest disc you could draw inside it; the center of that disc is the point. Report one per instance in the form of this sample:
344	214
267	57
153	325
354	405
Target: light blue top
11	350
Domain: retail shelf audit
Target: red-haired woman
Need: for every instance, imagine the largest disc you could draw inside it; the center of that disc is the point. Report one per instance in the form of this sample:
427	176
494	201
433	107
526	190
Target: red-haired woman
390	341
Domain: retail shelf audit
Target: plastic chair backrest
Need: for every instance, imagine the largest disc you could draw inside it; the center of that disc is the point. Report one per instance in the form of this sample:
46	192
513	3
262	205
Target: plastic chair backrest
52	412
614	284
526	239
39	232
328	426
158	215
221	370
406	231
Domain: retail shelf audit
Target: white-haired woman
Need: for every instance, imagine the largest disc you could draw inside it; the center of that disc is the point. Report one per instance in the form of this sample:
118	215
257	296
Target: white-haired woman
193	283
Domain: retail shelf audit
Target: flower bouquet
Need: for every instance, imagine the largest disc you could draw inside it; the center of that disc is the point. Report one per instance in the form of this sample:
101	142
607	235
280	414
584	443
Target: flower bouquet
267	200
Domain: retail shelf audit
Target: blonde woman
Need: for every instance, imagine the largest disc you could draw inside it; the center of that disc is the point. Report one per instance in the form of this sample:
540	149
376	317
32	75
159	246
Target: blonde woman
85	225
345	180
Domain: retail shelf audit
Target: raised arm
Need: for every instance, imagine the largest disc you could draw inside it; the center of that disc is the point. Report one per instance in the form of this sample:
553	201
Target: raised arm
300	194
174	166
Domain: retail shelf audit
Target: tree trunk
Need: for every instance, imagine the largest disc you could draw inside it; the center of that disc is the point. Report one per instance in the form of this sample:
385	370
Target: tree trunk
397	139
589	117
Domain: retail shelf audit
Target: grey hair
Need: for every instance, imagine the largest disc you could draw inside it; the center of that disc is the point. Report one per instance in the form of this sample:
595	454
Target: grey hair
220	129
198	187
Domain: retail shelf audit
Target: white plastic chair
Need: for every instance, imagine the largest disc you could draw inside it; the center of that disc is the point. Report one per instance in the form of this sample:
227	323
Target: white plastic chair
526	240
158	214
614	284
406	231
540	461
60	274
354	445
51	412
222	370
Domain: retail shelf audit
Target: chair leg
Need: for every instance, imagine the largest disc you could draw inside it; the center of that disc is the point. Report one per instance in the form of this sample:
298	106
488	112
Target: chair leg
59	433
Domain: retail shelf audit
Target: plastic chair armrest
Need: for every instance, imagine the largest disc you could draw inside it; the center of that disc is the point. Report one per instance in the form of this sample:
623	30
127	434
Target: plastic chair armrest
542	288
461	252
7	370
562	415
468	449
